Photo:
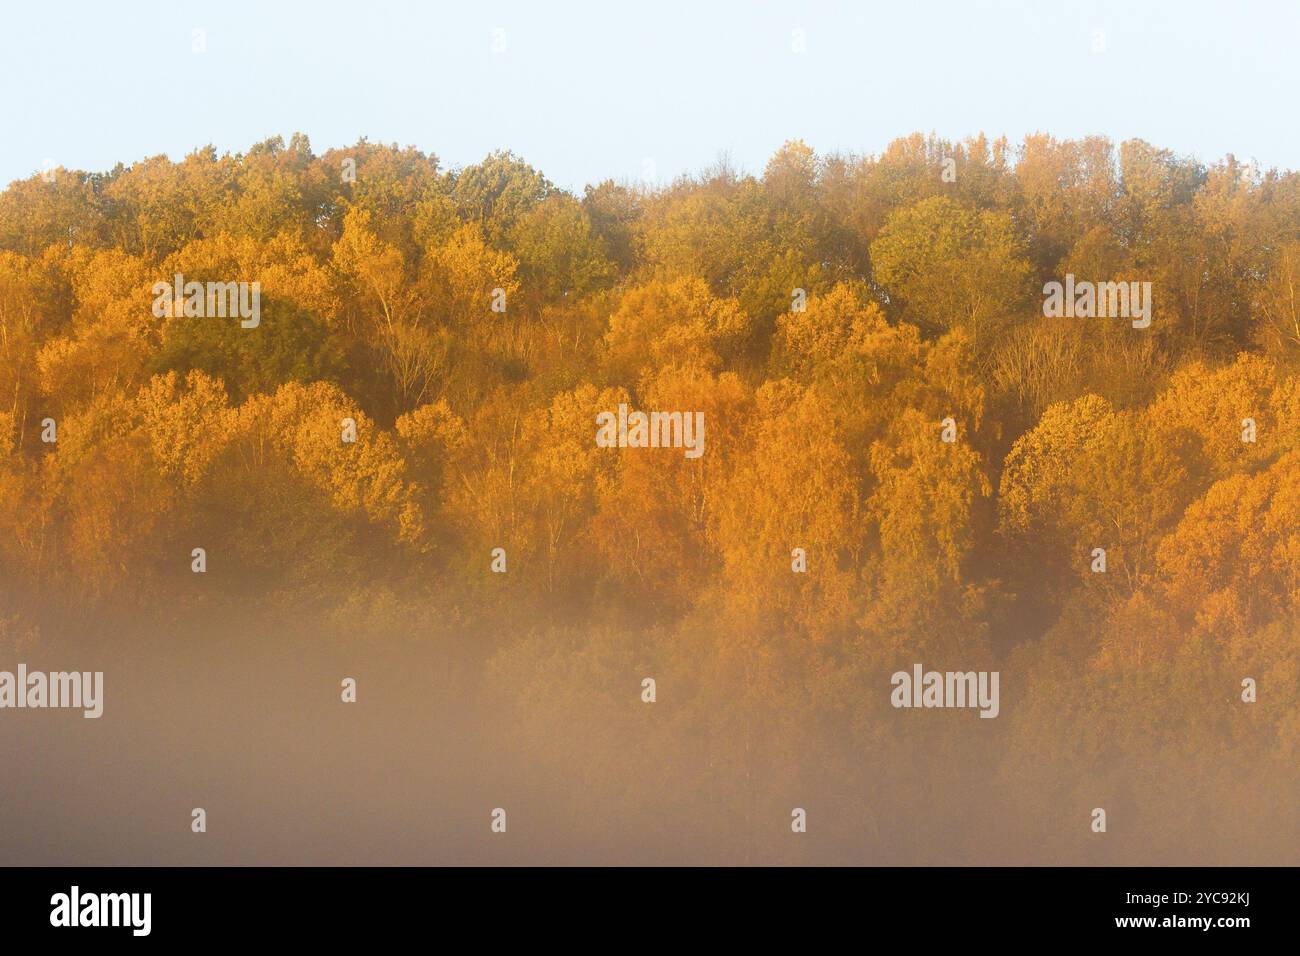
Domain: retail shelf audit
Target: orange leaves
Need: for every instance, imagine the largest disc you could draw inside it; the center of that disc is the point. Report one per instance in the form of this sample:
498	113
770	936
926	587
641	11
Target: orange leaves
459	276
1214	404
183	422
366	475
1038	470
376	269
655	507
671	322
923	512
810	342
1239	540
791	485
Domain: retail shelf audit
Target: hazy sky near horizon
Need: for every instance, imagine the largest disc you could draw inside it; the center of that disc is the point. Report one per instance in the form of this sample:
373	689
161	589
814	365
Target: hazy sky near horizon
589	91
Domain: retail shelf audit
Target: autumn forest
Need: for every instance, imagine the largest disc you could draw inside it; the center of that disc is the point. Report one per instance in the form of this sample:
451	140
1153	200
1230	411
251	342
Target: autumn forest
394	476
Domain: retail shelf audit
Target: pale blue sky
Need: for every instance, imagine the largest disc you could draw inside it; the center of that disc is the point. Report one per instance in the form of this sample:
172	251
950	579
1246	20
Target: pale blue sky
586	91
